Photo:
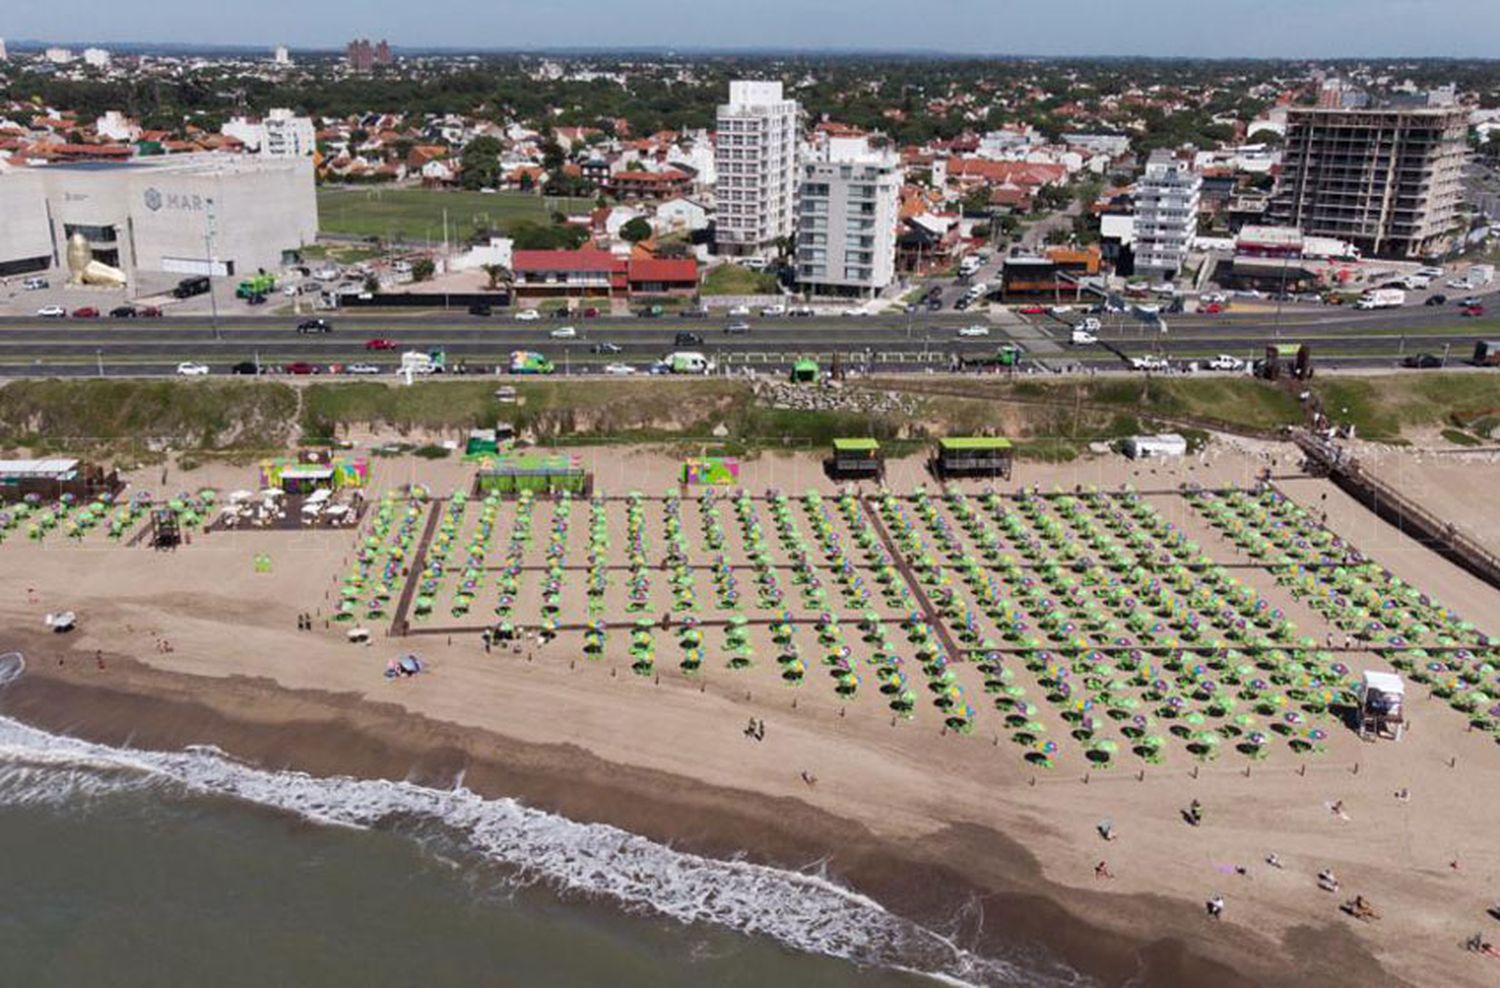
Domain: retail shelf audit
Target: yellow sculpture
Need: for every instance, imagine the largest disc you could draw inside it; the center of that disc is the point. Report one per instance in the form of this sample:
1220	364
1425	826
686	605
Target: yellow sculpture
84	270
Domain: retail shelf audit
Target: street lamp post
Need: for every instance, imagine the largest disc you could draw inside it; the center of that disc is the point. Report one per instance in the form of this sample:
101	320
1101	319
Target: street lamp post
208	243
99	356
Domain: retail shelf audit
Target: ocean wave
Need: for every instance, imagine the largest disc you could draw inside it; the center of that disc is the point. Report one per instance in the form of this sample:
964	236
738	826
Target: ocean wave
803	910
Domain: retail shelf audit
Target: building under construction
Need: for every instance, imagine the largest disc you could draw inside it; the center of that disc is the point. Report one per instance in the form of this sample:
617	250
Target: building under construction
1388	180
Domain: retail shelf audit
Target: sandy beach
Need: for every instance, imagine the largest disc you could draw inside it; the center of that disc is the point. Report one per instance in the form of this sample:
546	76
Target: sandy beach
928	820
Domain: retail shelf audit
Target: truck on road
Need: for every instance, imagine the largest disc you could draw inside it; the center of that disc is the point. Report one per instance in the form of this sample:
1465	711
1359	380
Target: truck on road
1487	353
1382	298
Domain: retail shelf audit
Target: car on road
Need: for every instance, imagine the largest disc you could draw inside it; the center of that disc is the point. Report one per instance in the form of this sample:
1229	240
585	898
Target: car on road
1473	310
52	312
606	347
307	326
688	339
380	343
564	333
1225	362
590	313
737	328
1438	299
34	284
773	311
651	312
1059	310
961	303
362	369
974	331
528	315
1469	301
482	310
1147	309
148	312
1148	363
189	369
245	367
302	367
619	369
801	312
1032	310
86	312
255	299
1421	361
1213	298
1081	337
740	310
122	312
1211	309
693	312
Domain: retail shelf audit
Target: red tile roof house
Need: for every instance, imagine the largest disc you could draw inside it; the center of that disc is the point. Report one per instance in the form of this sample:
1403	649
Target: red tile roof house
590	272
667	184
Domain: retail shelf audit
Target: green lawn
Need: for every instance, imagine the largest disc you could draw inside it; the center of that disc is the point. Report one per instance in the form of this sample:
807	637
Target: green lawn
417	214
731	279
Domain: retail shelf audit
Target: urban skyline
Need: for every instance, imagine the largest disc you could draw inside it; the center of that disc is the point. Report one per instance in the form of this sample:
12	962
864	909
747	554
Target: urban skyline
1156	28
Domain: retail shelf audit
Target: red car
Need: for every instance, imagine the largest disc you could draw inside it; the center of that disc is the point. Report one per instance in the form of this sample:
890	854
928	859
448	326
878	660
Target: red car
591	313
1468	310
380	344
1033	310
87	312
301	367
1211	309
148	312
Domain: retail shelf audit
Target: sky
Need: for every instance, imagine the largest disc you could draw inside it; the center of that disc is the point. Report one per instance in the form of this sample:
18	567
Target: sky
1192	28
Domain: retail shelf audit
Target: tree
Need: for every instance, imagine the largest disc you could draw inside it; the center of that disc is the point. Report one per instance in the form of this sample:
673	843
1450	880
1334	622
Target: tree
423	269
481	163
553	155
497	274
635	230
372	283
978	201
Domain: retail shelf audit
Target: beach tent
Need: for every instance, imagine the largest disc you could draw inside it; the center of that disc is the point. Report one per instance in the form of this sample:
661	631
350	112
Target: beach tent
805	371
856	457
1381	696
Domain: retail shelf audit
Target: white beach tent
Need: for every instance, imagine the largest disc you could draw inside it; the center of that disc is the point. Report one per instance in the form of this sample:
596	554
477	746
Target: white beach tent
1381	710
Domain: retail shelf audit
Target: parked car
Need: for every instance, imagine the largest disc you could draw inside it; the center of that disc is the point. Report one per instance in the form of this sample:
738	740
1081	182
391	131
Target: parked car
34	284
1469	301
619	369
1148	363
1081	337
1438	299
314	326
52	312
148	312
693	312
1060	310
737	328
482	310
302	367
606	347
1473	310
974	331
86	312
1421	361
564	333
189	369
380	343
245	367
773	311
1211	309
1225	362
528	315
801	312
255	299
362	369
590	313
122	312
740	310
688	339
1033	310
651	312
963	302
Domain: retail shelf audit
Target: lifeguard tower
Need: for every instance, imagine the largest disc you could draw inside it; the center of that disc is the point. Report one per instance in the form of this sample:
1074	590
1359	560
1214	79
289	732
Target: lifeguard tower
1381	706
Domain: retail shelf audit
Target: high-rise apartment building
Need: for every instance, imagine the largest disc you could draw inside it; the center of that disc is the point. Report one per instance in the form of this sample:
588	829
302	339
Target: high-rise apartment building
1166	214
3	54
1387	179
363	56
281	134
847	202
281	56
755	157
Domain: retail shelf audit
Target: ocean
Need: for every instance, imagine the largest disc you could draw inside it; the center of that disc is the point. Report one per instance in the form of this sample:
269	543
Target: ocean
125	867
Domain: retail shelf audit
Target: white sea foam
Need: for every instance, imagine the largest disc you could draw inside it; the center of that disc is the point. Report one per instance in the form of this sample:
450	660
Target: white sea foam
805	911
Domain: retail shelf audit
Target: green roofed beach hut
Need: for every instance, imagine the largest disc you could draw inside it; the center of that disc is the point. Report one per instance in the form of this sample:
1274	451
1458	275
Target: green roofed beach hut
856	459
973	456
508	475
805	371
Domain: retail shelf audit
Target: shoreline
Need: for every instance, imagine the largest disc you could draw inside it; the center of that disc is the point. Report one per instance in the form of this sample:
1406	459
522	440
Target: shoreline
1019	911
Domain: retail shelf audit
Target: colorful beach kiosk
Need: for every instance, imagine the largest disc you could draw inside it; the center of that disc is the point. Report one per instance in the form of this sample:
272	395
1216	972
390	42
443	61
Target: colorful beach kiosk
856	459
540	473
314	471
972	456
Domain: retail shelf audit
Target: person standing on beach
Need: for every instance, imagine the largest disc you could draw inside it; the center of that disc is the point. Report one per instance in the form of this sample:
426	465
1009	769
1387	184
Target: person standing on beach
1215	907
1101	870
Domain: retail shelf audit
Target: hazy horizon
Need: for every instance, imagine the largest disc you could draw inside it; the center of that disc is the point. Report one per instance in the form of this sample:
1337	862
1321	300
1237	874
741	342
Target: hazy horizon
1293	29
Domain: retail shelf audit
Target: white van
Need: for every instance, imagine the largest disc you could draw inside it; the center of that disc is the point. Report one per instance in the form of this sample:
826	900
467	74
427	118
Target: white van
688	362
416	362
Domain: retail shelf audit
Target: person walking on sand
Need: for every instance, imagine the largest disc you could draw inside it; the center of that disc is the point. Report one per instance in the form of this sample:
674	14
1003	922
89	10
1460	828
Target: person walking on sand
1215	907
1195	813
1101	870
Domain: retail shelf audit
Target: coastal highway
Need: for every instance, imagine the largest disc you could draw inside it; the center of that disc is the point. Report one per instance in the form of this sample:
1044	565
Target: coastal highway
895	342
